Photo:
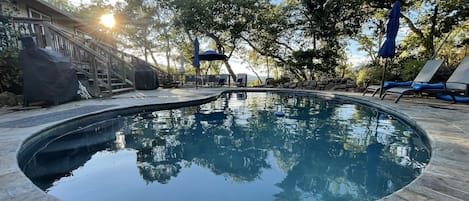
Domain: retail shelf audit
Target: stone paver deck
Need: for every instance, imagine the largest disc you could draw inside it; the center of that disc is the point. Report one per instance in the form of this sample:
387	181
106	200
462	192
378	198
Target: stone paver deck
446	125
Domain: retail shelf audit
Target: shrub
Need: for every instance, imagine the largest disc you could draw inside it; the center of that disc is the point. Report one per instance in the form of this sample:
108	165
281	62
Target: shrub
411	68
10	72
279	81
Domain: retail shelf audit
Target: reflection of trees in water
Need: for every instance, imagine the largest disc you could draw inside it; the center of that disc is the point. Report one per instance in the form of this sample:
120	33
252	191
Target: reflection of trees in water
58	156
318	144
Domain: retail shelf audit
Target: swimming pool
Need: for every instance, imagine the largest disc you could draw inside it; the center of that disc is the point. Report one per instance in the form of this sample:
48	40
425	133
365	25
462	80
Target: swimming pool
234	148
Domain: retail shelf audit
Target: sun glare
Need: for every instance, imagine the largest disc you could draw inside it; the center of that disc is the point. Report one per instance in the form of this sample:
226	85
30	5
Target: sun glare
108	20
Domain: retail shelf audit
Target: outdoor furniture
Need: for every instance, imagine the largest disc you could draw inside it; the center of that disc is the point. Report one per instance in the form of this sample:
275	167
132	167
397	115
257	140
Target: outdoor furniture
424	76
190	79
48	76
457	84
241	80
454	99
222	79
145	77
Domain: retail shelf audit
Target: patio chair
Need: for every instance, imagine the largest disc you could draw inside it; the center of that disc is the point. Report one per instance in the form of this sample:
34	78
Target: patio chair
424	76
456	88
456	84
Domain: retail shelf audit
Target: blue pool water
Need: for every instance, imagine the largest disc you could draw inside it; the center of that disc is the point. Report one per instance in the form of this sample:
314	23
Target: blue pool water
234	148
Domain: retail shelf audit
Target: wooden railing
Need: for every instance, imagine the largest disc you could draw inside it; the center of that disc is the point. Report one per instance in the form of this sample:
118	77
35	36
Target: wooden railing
106	49
100	65
84	59
98	61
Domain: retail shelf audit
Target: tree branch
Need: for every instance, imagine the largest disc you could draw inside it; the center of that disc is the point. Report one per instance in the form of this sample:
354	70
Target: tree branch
412	26
262	52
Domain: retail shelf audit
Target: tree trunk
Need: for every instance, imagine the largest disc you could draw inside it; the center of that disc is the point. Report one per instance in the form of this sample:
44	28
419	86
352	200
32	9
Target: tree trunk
220	50
255	73
153	57
168	53
380	39
228	67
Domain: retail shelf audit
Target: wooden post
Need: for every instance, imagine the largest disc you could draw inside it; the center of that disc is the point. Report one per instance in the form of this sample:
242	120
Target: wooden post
48	36
108	75
94	71
381	89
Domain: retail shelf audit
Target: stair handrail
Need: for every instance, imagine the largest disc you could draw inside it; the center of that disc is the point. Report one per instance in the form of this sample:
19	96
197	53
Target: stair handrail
47	28
111	55
133	58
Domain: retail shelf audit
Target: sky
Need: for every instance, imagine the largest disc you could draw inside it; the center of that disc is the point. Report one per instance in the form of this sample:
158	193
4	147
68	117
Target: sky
358	57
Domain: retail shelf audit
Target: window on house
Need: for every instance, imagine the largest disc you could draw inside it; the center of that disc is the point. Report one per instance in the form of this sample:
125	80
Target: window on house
38	29
38	15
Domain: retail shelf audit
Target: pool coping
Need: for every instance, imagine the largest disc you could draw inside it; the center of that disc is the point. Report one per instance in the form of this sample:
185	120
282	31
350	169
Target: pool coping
444	178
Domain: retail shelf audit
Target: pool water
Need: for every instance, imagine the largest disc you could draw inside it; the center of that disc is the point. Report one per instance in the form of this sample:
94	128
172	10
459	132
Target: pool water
235	148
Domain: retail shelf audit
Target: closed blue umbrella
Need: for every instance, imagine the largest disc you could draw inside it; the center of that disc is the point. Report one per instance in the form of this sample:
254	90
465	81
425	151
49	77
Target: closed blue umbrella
388	50
196	61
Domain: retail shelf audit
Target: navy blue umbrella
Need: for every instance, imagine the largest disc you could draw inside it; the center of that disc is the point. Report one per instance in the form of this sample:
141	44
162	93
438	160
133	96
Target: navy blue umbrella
211	55
196	61
388	50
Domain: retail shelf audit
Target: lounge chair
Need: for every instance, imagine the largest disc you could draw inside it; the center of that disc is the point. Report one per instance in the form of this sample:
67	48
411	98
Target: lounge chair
424	76
454	98
456	85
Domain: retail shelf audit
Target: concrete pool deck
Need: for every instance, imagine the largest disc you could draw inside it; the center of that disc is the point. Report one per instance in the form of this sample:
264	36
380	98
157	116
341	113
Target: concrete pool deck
447	126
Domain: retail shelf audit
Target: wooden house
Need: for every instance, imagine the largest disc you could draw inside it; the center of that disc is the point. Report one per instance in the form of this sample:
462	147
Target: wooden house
100	66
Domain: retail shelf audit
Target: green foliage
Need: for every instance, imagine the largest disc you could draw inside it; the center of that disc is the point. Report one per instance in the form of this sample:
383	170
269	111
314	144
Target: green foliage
373	73
10	72
62	4
318	27
363	76
344	70
148	28
222	21
281	80
302	37
436	21
306	64
410	68
330	19
254	83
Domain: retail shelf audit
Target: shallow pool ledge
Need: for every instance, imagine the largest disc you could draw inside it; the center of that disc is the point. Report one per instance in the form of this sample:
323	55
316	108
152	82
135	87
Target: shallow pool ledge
447	127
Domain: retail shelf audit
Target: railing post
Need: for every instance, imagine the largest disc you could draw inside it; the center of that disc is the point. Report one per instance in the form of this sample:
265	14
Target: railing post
108	74
47	35
123	69
94	72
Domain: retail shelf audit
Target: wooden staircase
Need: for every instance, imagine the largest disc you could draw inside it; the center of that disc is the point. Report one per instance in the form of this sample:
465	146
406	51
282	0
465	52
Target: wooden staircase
102	69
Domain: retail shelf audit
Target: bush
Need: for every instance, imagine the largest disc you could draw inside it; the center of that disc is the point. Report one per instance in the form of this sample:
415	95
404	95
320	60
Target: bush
372	73
10	72
279	81
411	68
363	76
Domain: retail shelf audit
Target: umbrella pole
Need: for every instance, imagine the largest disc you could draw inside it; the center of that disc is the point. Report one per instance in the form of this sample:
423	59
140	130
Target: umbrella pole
381	89
196	77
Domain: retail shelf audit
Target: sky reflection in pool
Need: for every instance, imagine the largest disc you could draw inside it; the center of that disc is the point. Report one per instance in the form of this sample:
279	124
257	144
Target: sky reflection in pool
235	148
